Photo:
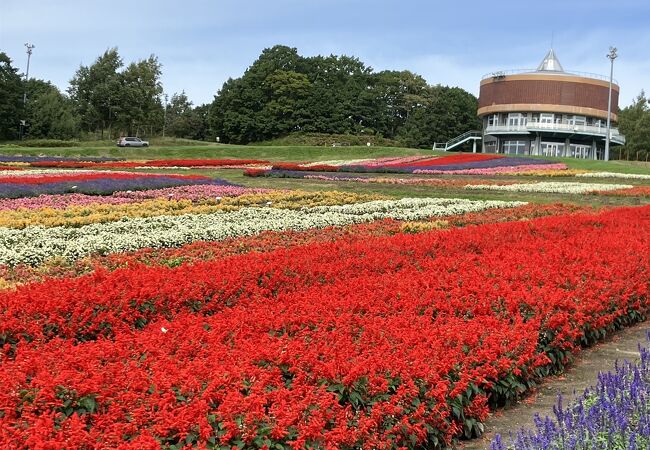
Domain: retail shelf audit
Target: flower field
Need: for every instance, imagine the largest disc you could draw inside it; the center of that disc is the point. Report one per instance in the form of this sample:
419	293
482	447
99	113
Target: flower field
151	311
460	164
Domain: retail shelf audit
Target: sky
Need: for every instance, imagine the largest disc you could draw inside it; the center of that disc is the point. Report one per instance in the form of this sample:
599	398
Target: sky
202	43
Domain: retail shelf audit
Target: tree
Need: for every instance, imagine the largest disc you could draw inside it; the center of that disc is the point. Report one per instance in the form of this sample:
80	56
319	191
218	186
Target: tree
105	97
11	92
49	114
180	116
398	94
284	109
283	92
448	113
97	92
140	106
634	123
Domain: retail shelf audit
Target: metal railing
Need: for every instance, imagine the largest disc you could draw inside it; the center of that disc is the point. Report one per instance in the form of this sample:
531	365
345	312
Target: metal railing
451	143
503	73
561	127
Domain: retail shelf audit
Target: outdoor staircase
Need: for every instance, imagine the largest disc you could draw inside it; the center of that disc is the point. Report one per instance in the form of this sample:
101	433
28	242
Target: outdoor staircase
458	140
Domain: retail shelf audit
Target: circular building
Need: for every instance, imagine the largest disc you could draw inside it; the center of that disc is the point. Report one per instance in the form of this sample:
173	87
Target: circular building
547	112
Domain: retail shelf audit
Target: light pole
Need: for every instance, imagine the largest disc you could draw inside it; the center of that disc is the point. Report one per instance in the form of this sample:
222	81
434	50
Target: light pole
30	47
165	115
612	56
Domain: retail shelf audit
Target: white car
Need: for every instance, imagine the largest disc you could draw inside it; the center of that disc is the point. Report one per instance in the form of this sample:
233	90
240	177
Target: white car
132	142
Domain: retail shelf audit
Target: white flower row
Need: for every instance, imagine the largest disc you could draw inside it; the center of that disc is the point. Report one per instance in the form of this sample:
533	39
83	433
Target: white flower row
550	187
33	245
636	176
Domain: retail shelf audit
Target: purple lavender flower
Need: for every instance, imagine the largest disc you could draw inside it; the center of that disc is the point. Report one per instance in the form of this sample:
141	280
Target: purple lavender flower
101	186
613	414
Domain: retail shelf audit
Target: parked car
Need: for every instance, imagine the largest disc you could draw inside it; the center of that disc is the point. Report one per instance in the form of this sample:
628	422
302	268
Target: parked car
132	142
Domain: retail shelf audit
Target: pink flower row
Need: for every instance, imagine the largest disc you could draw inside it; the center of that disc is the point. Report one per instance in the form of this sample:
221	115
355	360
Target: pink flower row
494	170
191	192
234	166
62	201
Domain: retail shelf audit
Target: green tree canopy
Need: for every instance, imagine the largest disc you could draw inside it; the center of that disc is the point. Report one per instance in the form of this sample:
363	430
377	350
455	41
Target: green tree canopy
50	114
634	123
283	92
11	94
106	96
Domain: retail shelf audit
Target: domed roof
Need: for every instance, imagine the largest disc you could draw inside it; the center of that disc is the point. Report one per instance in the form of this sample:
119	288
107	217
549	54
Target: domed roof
550	63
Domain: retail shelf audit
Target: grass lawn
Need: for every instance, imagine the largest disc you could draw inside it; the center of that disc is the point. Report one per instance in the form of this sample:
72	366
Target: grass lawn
174	150
214	151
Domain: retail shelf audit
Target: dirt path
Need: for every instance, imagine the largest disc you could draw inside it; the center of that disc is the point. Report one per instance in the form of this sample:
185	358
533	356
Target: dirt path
583	373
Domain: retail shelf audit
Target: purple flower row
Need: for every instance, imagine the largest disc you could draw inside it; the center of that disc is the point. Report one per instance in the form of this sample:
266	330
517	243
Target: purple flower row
484	164
100	186
614	414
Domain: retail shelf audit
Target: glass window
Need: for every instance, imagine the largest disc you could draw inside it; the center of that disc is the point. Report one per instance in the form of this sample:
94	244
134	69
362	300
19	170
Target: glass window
577	120
493	120
580	151
516	120
552	148
546	118
514	147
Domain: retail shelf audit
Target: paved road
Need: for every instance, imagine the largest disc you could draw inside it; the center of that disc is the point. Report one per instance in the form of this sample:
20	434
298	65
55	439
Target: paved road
583	373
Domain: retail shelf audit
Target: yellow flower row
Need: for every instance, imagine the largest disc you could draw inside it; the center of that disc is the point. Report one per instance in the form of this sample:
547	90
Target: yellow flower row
75	216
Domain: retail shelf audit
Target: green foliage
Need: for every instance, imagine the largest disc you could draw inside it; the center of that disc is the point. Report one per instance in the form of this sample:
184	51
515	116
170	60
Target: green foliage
446	113
95	90
634	123
105	97
331	140
50	114
284	93
11	92
139	96
183	121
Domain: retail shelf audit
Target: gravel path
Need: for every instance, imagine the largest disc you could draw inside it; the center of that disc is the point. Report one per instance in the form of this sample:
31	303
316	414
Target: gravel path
582	374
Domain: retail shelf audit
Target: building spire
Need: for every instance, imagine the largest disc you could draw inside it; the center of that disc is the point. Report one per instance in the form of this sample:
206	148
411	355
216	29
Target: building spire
550	63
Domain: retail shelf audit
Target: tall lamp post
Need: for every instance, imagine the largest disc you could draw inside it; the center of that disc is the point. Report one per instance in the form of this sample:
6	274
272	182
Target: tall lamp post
23	122
165	115
612	56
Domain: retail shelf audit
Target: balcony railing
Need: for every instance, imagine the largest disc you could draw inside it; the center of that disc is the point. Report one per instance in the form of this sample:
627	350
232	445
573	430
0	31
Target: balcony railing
556	127
503	73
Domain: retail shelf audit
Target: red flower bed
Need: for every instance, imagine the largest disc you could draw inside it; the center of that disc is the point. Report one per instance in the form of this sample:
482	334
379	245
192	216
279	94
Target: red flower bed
636	191
383	343
59	178
255	172
316	168
152	163
203	162
452	159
